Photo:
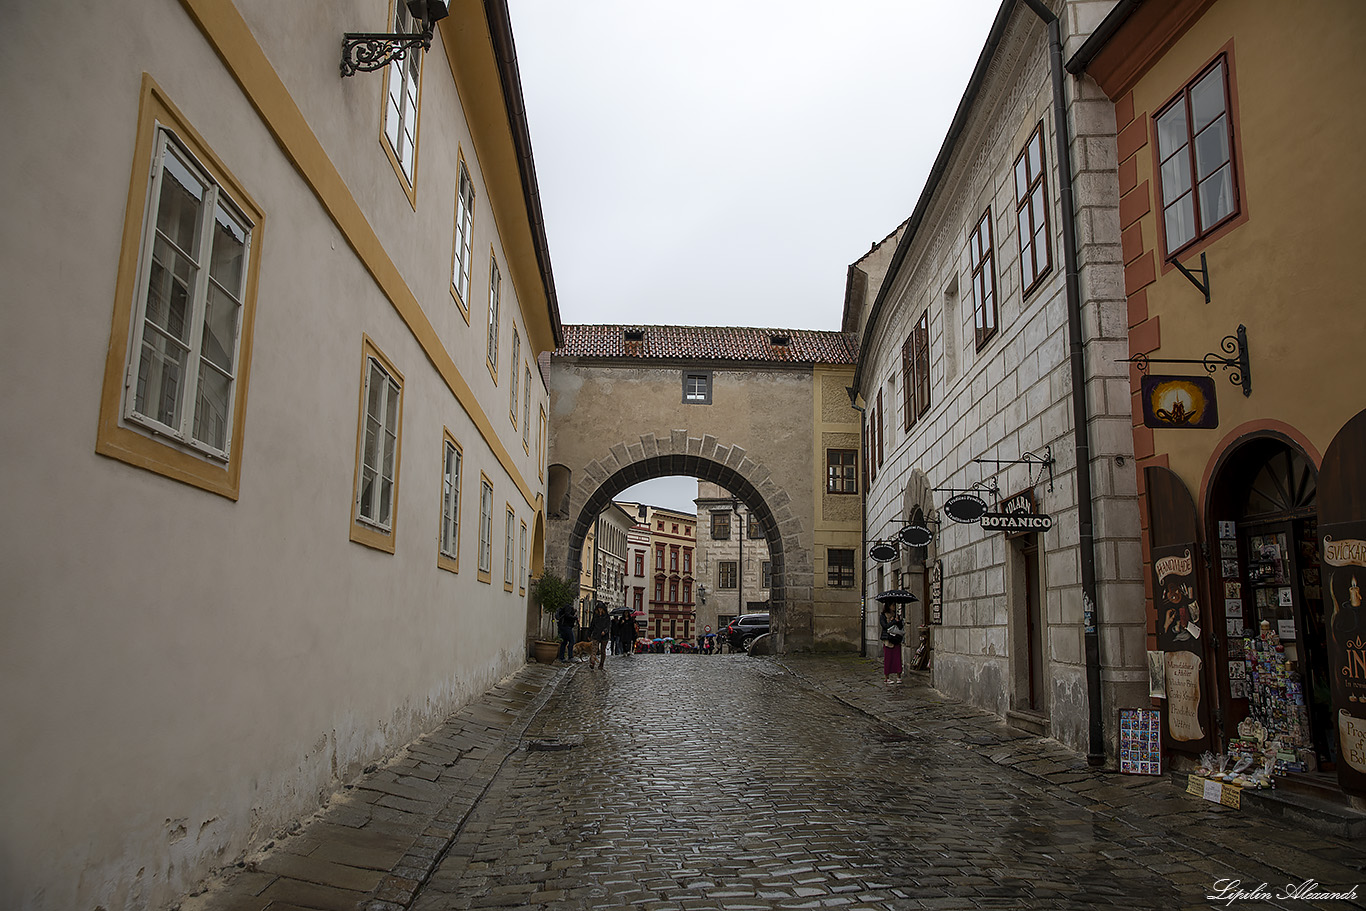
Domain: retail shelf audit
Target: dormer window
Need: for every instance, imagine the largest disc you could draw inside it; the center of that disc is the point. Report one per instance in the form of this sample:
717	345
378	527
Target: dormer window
635	335
780	340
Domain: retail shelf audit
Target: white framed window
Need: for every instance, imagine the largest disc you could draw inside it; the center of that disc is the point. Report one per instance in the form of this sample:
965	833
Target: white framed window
697	387
495	291
540	445
485	529
377	470
526	409
451	459
509	552
463	263
184	354
400	102
521	550
176	368
513	385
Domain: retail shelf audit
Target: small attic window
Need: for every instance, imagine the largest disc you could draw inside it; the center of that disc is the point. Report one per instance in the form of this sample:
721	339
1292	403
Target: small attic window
635	335
780	339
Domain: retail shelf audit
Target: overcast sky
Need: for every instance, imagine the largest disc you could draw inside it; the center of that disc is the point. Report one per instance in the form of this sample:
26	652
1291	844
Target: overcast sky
722	162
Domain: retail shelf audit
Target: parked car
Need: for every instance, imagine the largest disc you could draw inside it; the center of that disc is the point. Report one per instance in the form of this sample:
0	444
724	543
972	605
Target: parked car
743	630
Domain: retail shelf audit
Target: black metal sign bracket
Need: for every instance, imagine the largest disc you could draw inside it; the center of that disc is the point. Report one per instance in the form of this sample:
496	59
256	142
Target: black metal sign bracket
1234	359
1043	460
1204	274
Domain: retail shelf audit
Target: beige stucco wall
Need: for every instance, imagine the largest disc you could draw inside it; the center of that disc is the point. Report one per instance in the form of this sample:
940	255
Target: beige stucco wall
1287	271
839	517
184	674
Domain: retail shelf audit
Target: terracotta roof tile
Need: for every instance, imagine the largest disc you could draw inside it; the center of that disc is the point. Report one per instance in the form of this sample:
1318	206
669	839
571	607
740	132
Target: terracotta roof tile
709	343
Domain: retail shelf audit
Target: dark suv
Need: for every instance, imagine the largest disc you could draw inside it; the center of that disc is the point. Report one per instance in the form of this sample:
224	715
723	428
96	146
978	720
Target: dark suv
744	629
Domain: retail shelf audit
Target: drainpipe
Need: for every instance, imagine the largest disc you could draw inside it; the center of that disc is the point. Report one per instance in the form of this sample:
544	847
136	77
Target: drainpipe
860	566
1080	418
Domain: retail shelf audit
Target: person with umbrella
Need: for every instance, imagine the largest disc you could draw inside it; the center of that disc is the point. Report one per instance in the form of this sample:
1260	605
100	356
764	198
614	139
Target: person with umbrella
892	632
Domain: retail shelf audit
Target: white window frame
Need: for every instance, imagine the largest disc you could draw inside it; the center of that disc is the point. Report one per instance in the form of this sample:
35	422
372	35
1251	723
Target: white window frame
699	392
522	576
509	545
514	387
485	527
452	462
526	409
495	293
217	209
464	239
401	101
373	506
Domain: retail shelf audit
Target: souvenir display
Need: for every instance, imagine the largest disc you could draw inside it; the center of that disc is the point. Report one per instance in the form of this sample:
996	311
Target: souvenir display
1140	741
1276	699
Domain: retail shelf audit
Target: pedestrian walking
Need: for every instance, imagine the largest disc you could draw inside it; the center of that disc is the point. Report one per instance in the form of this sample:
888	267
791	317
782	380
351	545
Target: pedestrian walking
566	625
892	633
599	631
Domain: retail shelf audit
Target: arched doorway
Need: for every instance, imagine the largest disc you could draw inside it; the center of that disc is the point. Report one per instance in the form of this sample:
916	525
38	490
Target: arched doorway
769	517
1265	571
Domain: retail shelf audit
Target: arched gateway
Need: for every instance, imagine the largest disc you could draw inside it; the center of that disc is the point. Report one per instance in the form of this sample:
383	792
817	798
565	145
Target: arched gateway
763	413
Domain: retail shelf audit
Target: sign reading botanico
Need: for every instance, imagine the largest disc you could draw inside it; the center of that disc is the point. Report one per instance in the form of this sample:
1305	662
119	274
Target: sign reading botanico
1015	521
1344	561
1017	515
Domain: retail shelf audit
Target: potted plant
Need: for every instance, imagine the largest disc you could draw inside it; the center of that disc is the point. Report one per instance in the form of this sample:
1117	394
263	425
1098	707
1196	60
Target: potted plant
552	591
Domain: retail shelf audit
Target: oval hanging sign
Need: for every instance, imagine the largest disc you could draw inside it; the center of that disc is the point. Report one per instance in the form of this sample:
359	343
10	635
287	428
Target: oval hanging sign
882	551
965	508
915	535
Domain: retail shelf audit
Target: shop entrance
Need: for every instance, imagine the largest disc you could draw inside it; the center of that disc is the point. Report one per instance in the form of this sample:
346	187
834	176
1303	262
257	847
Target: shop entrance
1027	623
1267	577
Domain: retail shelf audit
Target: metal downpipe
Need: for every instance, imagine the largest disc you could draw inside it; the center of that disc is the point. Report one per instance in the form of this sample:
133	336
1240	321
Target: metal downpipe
1080	418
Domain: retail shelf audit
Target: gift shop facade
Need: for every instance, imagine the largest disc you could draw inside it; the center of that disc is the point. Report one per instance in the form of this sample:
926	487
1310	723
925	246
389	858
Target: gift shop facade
1247	373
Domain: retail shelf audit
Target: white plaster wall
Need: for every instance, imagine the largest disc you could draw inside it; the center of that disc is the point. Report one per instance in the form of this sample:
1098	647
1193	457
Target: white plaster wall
184	674
1012	398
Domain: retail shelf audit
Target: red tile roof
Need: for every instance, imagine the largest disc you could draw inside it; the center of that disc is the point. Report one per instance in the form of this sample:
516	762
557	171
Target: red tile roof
709	343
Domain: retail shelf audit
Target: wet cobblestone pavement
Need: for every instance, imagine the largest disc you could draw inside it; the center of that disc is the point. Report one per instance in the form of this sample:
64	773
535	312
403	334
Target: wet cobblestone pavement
672	783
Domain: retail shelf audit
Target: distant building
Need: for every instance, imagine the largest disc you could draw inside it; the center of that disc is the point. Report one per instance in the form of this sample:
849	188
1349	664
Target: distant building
661	569
733	567
603	574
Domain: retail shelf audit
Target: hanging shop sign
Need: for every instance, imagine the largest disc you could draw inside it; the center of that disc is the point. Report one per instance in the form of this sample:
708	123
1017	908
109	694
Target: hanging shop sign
1344	559
1017	515
1179	402
882	551
936	593
915	535
965	507
1015	521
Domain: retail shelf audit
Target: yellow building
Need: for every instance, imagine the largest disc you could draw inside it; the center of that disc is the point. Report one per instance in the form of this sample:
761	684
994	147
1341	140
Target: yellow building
1241	204
271	332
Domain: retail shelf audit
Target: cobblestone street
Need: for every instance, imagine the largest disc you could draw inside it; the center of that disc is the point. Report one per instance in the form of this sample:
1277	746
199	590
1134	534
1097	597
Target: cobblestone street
685	782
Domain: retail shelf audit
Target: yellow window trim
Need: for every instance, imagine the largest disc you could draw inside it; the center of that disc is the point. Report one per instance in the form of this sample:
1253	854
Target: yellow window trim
224	28
362	533
484	575
409	187
113	438
450	564
461	166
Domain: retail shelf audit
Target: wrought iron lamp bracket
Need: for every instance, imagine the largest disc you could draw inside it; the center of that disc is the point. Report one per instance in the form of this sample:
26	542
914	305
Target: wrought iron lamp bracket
1043	460
989	486
1234	359
369	51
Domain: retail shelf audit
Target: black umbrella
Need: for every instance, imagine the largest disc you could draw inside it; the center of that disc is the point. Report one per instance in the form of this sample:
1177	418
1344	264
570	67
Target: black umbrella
896	596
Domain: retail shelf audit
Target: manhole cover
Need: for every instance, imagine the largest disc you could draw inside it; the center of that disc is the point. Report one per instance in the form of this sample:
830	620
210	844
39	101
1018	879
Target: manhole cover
552	744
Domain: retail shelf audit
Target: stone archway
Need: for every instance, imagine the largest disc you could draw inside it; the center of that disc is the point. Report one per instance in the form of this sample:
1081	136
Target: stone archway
708	459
